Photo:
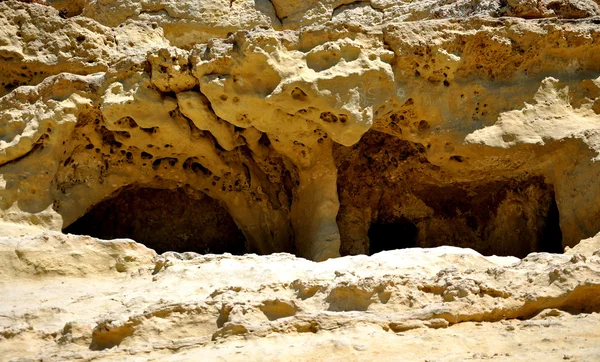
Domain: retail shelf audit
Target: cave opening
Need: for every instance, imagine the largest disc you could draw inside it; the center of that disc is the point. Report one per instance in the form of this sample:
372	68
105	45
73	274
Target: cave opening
393	197
164	220
551	240
494	220
390	236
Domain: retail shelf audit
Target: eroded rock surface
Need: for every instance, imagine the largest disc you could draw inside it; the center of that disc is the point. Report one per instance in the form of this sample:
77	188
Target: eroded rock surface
319	128
71	297
312	124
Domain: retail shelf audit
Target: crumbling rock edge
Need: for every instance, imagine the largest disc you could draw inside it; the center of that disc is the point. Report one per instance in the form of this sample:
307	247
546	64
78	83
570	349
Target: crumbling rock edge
108	299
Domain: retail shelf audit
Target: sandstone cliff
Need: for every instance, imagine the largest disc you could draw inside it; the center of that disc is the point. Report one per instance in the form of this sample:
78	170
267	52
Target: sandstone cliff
306	123
68	297
317	128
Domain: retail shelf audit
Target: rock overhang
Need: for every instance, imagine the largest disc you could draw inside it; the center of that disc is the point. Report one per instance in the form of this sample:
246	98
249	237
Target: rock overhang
258	118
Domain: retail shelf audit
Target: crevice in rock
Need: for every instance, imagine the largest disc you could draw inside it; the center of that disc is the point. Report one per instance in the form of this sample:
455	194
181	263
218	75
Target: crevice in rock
164	220
65	8
276	13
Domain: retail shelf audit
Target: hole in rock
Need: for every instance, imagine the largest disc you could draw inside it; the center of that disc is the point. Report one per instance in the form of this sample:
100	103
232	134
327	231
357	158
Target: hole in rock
508	218
390	236
393	197
516	226
164	220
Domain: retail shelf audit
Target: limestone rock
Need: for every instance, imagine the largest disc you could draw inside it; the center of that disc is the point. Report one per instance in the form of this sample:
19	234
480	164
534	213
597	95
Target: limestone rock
261	116
37	43
71	297
464	133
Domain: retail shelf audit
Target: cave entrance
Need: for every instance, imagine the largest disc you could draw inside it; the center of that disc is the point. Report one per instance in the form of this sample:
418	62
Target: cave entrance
493	219
390	236
393	197
164	220
551	239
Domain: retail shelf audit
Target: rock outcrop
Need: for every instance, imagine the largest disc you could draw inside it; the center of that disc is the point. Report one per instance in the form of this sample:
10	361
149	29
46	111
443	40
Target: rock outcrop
69	297
309	124
320	128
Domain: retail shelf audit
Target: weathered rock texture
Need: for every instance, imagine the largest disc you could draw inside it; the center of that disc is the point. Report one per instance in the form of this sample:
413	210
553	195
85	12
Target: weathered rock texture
314	126
69	297
322	128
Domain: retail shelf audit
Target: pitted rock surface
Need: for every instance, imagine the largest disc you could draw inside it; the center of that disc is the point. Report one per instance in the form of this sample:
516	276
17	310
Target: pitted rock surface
309	130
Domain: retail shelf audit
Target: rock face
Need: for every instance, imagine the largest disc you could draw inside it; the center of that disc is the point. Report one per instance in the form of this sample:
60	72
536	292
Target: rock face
319	128
310	124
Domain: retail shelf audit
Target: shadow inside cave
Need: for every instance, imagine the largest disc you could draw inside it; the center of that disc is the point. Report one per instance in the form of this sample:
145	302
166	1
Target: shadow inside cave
516	226
398	235
391	191
164	220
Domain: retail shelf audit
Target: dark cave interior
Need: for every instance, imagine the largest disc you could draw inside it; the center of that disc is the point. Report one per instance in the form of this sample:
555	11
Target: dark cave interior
164	220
